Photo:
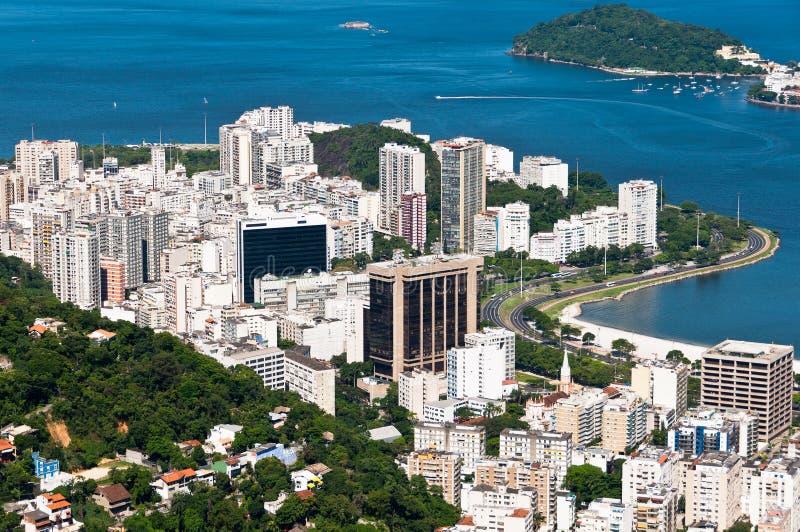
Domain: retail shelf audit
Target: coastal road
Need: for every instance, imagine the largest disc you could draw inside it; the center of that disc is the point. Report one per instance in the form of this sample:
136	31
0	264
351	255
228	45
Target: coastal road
756	243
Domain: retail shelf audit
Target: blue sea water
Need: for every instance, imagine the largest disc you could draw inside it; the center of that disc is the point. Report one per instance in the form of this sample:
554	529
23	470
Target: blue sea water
66	63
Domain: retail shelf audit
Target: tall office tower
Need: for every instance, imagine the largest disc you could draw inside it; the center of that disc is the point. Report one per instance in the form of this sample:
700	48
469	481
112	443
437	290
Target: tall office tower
419	309
544	172
125	232
463	190
414	219
158	161
155	225
498	337
402	171
661	383
752	377
284	244
46	222
639	200
236	153
28	152
97	224
112	280
76	269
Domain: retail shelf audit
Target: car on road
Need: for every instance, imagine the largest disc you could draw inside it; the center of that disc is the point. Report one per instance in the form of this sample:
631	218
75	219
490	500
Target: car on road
611	284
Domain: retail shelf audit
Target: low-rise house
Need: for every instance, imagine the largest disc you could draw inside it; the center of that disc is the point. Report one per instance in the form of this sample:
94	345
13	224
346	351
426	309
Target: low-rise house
310	477
221	437
114	498
44	468
50	511
389	433
169	484
7	451
101	335
231	467
269	450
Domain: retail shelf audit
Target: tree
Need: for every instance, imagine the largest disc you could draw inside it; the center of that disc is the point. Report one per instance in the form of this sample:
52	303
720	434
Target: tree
659	437
291	512
675	355
588	482
587	338
740	526
462	412
621	345
569	331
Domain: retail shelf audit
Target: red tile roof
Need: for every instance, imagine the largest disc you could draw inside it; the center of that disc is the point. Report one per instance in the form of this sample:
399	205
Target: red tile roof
305	494
5	445
38	328
519	512
466	521
175	476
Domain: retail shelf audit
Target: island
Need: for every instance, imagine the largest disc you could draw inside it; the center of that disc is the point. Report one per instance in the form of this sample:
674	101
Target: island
618	38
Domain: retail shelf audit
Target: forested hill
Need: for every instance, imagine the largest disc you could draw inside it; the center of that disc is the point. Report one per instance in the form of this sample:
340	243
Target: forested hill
617	36
147	391
353	151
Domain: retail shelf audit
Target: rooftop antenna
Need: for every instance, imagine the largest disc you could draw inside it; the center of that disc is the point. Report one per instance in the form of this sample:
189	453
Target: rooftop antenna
33	137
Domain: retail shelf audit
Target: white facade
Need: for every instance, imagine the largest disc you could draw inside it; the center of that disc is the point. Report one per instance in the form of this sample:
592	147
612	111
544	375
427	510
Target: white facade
661	384
553	449
76	269
545	172
498	337
714	489
267	363
349	310
650	466
639	200
516	221
315	381
416	388
402	170
62	156
490	505
775	486
325	337
467	440
499	162
476	371
545	246
605	515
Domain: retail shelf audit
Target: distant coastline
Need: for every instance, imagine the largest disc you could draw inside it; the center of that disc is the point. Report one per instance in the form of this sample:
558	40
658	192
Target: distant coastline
773	104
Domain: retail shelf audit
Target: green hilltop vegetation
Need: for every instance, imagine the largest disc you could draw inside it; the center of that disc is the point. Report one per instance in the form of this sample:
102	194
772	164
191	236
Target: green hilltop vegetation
194	160
147	391
618	36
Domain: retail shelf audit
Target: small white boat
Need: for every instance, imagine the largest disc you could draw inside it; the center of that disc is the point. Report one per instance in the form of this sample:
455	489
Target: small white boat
676	91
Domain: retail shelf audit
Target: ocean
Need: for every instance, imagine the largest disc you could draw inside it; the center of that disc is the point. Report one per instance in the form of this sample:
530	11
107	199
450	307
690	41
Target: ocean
66	65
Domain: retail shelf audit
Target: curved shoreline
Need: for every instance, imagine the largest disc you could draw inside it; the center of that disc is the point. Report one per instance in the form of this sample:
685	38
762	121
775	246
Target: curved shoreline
652	345
773	104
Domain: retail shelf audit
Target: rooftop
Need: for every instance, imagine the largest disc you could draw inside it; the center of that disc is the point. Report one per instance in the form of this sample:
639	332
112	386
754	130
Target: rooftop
311	363
744	349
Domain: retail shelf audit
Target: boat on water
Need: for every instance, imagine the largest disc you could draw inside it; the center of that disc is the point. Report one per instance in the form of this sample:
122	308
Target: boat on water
734	82
676	91
660	88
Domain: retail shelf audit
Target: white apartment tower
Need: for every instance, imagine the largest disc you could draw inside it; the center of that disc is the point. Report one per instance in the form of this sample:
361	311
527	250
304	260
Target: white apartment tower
475	372
661	384
498	337
639	200
714	489
313	379
76	269
545	172
28	154
402	170
417	387
516	226
158	161
236	153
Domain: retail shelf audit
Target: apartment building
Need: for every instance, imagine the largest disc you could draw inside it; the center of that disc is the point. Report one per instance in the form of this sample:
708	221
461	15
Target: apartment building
553	449
714	489
661	383
438	468
314	380
468	441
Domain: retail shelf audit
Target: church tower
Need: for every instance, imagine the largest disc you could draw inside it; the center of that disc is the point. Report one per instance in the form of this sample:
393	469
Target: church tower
565	384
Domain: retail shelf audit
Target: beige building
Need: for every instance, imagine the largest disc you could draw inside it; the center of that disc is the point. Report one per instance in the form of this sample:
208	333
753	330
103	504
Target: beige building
714	489
417	387
314	380
44	160
468	441
753	377
419	309
553	449
439	468
624	420
649	466
519	474
662	384
581	414
656	509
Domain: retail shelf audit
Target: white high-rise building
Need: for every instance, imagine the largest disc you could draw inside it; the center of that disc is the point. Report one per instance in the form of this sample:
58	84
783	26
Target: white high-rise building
714	489
651	466
417	387
76	269
545	246
469	441
502	228
159	163
605	515
545	172
553	449
639	200
516	226
475	372
661	383
313	379
500	338
279	119
499	162
236	153
402	170
486	232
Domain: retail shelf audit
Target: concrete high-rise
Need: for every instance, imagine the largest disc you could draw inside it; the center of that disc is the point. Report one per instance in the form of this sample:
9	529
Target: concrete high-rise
545	172
414	219
112	280
159	163
639	200
419	309
753	377
714	489
463	190
125	231
46	222
661	383
438	468
236	153
402	171
76	269
498	337
62	156
155	234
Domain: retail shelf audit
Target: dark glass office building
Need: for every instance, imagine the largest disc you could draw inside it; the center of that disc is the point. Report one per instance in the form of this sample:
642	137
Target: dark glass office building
284	245
418	310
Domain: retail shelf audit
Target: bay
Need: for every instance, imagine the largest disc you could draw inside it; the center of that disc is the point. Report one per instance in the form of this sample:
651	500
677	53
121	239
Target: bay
65	64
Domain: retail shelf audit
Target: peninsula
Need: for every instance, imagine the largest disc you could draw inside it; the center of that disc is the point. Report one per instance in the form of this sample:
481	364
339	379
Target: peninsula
618	38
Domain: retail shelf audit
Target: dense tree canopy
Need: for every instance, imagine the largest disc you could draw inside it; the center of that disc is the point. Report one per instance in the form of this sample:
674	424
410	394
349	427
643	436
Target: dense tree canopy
618	36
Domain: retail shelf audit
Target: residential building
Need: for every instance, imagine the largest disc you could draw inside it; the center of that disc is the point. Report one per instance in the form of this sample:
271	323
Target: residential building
284	244
420	308
475	372
661	383
545	246
63	153
500	338
112	280
656	509
486	228
731	431
770	485
604	515
467	441
553	449
639	200
516	473
581	414
325	337
649	466
267	363
314	380
714	489
438	468
499	162
46	221
489	506
516	220
76	269
565	511
155	235
44	468
159	163
125	235
401	171
463	190
624	421
50	512
173	482
113	498
417	387
545	172
753	377
414	219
